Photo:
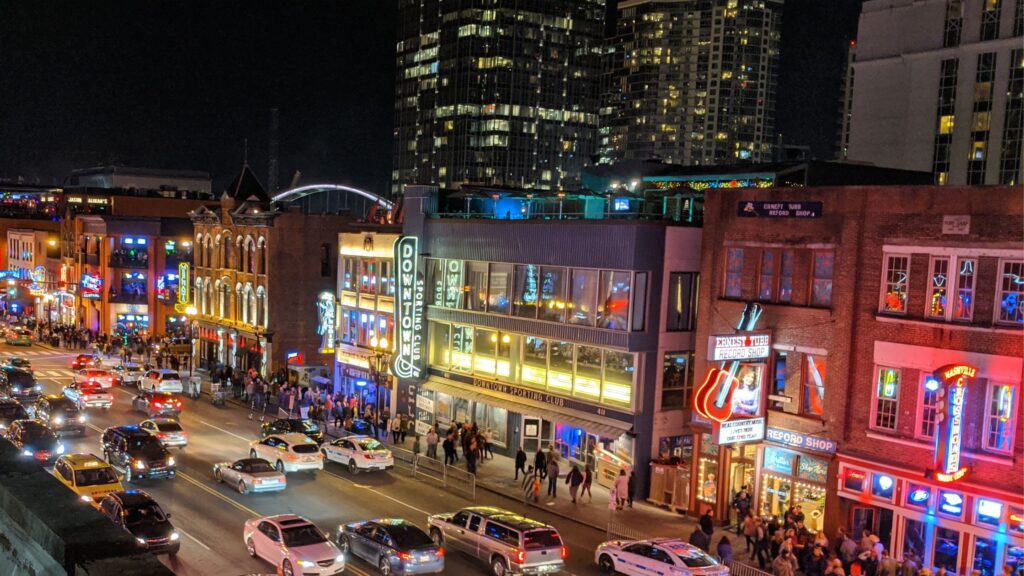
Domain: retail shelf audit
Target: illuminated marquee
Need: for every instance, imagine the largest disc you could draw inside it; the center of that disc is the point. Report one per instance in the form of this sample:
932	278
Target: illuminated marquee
408	360
184	287
327	313
950	407
715	398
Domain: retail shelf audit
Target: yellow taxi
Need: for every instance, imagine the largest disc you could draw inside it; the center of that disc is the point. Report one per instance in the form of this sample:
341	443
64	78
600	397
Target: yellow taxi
88	476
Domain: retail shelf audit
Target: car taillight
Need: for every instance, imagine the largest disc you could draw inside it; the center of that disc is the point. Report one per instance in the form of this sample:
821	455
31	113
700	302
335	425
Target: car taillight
520	556
161	435
440	552
368	456
291	456
157	404
404	556
565	552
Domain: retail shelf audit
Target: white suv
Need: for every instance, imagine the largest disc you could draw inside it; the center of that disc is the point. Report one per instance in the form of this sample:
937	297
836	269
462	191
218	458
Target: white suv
289	452
293	544
162	381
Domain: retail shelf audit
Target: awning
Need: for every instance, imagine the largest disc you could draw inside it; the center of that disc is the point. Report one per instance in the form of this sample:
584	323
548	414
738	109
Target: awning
602	426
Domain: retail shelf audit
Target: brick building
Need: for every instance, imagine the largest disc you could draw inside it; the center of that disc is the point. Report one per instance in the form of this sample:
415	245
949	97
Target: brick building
850	412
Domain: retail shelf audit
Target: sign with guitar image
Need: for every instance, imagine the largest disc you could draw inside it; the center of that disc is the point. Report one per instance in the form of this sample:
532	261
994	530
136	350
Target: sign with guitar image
714	398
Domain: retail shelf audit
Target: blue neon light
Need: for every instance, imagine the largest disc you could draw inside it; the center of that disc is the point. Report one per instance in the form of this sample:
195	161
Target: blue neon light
919	496
951	503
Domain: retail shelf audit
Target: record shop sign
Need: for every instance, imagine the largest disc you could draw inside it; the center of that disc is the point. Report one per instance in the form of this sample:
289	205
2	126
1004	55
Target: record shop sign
760	209
744	346
408	360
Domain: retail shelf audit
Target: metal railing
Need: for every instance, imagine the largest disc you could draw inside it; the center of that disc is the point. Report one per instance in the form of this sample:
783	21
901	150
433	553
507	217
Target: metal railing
449	476
737	568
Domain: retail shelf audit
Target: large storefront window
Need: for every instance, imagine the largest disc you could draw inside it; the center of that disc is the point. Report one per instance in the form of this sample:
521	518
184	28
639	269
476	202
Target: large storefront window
793	479
535	361
613	300
499	289
475	291
552	294
914	538
583	305
985	556
707	473
588	372
527	294
440	342
947	549
493	419
618	378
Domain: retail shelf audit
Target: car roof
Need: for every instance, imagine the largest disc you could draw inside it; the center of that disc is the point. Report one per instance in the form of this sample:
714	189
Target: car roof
130	430
164	420
293	438
287	520
250	461
166	371
57	399
355	437
676	546
84	461
507	517
133	497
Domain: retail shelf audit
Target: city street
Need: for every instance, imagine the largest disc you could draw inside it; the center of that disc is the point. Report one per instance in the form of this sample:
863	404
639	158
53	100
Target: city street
210	516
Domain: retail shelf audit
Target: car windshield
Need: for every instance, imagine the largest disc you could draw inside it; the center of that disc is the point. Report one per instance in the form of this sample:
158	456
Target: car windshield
370	444
146	444
169	426
95	476
694	558
19	377
13	412
37	433
304	535
305	426
144	514
169	376
259	466
408	537
304	448
536	539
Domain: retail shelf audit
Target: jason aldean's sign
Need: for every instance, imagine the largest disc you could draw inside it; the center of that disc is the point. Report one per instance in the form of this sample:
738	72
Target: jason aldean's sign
408	360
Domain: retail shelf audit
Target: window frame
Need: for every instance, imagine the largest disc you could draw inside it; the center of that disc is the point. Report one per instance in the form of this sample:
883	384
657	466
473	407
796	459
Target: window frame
772	279
989	390
689	322
813	279
873	423
687	386
920	409
997	307
932	289
805	389
726	272
883	291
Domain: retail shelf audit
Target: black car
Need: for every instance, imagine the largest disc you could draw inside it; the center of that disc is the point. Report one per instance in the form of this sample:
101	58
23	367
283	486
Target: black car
35	440
11	410
139	514
136	453
394	545
19	384
310	428
360	427
62	415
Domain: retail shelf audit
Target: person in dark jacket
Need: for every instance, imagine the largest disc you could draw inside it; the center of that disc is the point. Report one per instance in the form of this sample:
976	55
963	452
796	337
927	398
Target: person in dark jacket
574	479
816	563
700	539
631	487
707	523
540	463
520	462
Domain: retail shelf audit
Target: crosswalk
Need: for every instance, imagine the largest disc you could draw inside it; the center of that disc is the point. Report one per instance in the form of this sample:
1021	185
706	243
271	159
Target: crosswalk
54	373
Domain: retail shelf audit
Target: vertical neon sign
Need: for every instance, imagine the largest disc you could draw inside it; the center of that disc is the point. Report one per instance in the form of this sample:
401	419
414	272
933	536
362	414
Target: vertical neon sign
408	358
950	410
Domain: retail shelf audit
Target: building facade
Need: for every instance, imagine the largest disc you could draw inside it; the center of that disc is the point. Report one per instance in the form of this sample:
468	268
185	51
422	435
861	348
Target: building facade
498	93
867	293
940	88
692	82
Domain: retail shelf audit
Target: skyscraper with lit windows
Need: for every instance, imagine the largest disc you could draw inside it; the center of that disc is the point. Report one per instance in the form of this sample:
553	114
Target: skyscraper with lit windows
499	92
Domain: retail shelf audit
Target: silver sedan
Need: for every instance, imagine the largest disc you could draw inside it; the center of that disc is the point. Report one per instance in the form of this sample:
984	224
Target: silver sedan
250	475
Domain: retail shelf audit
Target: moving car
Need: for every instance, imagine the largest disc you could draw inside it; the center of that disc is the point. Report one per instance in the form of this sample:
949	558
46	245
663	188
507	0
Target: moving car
506	541
167	430
288	452
87	476
360	427
18	337
127	373
292	543
250	475
11	410
136	453
89	394
156	404
35	440
359	453
19	384
104	378
61	413
137	512
83	361
394	545
305	426
659	556
20	363
162	380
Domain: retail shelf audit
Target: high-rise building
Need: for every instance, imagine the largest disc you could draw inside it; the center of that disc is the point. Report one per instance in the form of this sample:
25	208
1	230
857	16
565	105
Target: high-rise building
940	87
501	92
692	82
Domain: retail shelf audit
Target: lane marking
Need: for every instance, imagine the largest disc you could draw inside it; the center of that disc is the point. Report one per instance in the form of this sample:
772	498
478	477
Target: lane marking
228	432
207	489
194	539
378	492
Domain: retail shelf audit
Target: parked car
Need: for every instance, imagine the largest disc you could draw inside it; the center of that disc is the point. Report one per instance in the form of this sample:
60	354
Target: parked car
157	404
305	426
288	452
105	378
359	453
658	556
35	440
83	361
506	541
88	476
162	380
136	453
128	373
138	513
293	544
250	475
360	427
18	337
61	413
11	410
393	545
89	394
167	430
19	384
19	362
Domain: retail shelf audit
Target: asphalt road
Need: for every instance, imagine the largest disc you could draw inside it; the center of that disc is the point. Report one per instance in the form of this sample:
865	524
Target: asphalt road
210	515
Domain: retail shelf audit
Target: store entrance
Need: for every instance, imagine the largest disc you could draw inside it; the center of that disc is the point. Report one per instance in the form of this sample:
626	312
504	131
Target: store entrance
742	465
537	434
876	521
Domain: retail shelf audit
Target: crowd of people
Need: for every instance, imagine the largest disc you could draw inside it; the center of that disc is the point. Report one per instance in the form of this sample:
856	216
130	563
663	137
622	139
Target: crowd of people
138	347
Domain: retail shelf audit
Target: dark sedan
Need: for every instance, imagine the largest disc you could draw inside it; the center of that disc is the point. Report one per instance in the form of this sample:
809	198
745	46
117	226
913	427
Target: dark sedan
305	426
35	440
393	545
11	410
136	512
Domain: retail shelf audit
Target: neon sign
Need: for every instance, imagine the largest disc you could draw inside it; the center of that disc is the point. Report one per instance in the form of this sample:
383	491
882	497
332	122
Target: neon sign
408	360
326	308
950	407
951	503
184	287
714	398
91	286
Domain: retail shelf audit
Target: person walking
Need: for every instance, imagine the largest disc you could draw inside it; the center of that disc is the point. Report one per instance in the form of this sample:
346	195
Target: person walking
520	462
540	463
488	449
724	550
471	454
574	479
631	487
449	450
707	523
699	539
762	545
588	479
621	489
741	504
784	564
552	475
531	485
749	528
383	427
396	429
432	439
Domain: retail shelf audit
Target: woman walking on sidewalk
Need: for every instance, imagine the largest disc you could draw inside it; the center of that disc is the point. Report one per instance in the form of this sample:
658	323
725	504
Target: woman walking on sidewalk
574	479
432	442
552	478
588	479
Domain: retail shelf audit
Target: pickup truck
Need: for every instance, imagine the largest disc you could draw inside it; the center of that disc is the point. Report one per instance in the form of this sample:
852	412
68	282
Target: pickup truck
89	394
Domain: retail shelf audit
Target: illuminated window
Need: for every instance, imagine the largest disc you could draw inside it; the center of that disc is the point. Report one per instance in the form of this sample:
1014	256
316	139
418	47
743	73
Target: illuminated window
964	305
946	124
677	380
734	273
769	271
821	283
927	416
682	301
786	277
982	121
813	385
978	150
1000	418
887	393
897	269
1010	297
938	288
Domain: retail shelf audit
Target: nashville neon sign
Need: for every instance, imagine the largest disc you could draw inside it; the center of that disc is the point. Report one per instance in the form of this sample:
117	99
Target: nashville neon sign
949	439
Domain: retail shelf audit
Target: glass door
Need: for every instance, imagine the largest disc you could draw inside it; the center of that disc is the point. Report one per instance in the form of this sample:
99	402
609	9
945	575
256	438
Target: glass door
863	519
531	434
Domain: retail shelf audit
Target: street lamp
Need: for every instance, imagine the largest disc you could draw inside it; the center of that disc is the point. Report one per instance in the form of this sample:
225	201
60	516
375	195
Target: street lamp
190	312
379	366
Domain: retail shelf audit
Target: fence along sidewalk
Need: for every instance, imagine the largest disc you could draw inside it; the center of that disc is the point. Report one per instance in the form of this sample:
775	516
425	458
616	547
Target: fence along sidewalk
433	469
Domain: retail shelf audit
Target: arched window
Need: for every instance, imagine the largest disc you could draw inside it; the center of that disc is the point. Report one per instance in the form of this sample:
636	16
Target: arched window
250	303
208	299
198	293
226	258
239	254
239	300
218	253
208	251
221	296
261	255
198	258
261	307
250	255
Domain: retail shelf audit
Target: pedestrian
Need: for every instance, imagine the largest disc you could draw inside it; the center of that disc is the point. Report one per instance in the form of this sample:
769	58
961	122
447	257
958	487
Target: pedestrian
449	450
631	486
552	475
432	442
784	564
574	479
724	550
488	445
531	489
621	489
588	479
396	429
707	522
750	531
520	462
762	545
741	504
888	566
816	563
471	454
699	539
540	463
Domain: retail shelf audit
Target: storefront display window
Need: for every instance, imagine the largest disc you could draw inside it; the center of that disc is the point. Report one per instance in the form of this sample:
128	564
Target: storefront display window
460	410
613	300
951	503
947	549
462	348
440	336
985	556
914	538
527	279
499	288
493	419
707	473
676	449
552	294
1014	558
853	480
742	464
990	512
485	344
618	375
535	361
560	375
792	479
443	410
918	495
1016	520
583	306
882	485
588	372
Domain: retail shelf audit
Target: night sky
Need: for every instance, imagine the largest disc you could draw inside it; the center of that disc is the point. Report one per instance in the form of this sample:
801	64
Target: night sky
182	85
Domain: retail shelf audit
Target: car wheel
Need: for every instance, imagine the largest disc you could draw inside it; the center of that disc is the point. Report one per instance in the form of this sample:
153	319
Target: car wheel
252	453
343	545
352	467
605	564
241	487
218	476
435	536
250	547
286	568
384	566
279	466
498	567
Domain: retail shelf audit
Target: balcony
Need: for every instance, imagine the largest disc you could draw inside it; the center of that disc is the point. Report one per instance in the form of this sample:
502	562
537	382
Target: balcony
127	297
177	257
129	259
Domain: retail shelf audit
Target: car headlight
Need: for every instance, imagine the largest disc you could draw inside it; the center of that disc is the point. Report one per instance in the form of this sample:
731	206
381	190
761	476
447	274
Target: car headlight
140	465
81	417
339	558
27	452
86	499
60	448
140	541
170	460
305	563
174	536
16	389
38	387
58	420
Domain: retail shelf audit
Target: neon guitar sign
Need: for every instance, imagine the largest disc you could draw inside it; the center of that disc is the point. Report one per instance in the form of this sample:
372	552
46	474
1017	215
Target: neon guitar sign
713	398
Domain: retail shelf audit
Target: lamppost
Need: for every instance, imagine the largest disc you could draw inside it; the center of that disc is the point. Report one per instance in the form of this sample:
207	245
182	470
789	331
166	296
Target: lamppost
379	366
190	312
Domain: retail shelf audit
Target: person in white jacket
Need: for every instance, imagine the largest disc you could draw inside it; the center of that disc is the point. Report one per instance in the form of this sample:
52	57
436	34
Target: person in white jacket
621	489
